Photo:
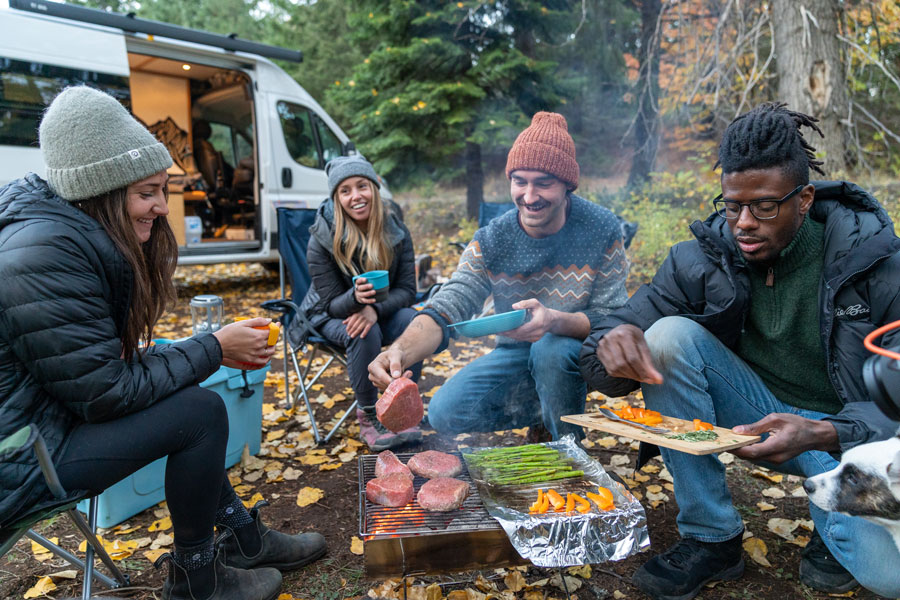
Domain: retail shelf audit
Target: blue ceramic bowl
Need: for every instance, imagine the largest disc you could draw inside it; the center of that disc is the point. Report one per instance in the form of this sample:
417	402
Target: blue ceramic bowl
492	324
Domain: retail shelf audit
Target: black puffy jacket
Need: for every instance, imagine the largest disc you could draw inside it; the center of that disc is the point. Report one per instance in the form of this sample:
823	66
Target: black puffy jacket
331	294
706	280
64	300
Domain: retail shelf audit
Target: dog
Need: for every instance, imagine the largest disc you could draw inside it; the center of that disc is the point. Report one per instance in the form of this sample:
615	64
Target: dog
866	484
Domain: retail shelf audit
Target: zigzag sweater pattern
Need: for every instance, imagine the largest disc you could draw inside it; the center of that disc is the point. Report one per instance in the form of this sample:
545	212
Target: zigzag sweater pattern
581	268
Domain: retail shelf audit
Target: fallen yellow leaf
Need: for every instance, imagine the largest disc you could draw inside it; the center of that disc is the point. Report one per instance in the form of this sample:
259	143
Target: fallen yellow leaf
514	581
275	435
583	571
40	553
123	530
356	546
257	497
329	466
161	525
774	478
757	550
309	495
43	586
152	555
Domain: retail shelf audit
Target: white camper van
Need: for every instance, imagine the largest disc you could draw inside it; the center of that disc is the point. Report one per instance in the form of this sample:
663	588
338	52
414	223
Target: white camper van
245	137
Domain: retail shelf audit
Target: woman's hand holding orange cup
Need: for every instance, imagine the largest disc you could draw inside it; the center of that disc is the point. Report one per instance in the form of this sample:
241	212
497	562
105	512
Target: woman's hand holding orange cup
243	351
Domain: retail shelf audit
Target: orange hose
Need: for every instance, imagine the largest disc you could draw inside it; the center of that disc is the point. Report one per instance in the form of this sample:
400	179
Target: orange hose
871	347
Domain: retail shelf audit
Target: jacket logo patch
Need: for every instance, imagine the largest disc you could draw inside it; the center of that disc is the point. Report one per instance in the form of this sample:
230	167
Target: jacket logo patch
855	311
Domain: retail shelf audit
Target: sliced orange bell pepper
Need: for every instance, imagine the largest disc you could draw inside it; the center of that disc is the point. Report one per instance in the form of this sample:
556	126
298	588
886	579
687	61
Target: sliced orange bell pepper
570	503
556	500
581	504
701	425
537	503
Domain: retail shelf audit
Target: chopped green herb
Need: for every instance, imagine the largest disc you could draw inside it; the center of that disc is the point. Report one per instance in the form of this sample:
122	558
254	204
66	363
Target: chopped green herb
707	435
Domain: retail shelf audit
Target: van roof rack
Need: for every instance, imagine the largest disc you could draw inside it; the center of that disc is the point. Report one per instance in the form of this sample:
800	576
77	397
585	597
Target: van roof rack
133	24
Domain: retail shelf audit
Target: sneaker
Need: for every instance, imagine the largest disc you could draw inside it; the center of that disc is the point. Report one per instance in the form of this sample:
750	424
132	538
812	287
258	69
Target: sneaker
374	434
820	570
680	572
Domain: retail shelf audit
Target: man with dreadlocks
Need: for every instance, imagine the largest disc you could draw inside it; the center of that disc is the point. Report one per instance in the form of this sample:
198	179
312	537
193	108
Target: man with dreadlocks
757	324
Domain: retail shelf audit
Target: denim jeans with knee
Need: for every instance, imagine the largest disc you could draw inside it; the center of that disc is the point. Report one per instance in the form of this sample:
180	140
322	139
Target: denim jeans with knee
514	386
363	350
704	379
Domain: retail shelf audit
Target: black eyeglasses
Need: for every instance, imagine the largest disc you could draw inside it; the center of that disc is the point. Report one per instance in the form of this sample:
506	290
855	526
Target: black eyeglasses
761	209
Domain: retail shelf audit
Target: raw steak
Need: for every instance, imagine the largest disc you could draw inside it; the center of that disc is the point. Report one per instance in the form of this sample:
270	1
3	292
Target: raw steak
400	406
387	463
394	489
432	463
442	494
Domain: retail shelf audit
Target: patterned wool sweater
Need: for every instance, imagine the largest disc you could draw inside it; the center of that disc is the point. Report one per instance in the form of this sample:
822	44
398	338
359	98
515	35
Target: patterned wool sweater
581	268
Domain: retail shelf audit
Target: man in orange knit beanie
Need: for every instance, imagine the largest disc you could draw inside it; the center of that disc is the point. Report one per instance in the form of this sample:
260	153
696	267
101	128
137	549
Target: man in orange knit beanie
559	257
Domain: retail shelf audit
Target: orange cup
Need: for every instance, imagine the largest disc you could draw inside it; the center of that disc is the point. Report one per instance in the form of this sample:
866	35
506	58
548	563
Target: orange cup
274	330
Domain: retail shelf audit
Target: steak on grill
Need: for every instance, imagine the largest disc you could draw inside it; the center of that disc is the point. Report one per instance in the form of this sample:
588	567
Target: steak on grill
400	406
442	494
387	463
394	489
432	463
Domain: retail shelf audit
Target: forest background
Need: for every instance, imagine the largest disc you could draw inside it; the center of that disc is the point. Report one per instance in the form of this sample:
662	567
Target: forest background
434	91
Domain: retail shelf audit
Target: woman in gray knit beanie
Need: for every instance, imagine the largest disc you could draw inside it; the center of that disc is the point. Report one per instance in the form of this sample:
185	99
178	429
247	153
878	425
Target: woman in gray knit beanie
92	256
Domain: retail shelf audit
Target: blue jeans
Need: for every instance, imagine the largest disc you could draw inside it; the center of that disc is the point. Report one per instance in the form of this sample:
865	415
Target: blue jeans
363	350
704	379
514	386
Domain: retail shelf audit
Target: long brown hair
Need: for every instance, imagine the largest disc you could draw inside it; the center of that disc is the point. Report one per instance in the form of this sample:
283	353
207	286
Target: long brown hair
370	248
153	263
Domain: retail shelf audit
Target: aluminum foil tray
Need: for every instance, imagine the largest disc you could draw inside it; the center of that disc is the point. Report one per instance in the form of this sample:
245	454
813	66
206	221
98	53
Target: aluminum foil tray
558	540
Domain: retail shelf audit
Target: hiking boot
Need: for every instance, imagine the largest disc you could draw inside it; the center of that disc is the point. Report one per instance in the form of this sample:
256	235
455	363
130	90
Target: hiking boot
278	550
227	583
680	572
820	570
375	435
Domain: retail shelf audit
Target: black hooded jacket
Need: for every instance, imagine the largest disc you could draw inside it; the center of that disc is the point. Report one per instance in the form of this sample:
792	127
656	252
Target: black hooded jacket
706	280
64	301
331	294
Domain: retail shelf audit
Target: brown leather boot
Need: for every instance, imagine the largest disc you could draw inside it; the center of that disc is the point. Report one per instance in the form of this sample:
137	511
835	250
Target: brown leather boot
228	583
277	550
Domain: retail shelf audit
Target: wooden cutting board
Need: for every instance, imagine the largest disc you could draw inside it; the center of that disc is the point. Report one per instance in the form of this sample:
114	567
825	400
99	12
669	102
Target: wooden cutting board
727	440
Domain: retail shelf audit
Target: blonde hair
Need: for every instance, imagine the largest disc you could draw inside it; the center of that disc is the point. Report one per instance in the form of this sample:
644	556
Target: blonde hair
369	248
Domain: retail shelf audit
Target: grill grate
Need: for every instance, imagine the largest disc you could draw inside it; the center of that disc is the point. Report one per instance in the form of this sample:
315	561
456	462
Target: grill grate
376	521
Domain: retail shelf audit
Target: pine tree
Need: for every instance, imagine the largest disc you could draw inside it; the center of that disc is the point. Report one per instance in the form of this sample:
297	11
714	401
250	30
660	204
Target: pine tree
447	84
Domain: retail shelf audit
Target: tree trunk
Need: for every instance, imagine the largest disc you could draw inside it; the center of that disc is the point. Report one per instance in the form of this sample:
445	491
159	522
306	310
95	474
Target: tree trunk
474	179
811	77
646	126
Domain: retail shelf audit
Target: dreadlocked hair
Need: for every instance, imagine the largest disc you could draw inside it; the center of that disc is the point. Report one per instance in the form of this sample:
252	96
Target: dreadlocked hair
769	136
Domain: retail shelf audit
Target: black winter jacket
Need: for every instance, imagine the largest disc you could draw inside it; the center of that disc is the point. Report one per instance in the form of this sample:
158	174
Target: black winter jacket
331	294
64	300
706	280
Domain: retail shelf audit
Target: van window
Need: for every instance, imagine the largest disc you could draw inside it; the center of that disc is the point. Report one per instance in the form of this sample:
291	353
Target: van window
298	134
221	141
331	145
27	88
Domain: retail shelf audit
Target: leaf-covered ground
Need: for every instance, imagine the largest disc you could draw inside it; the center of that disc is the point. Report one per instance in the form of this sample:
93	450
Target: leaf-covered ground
317	488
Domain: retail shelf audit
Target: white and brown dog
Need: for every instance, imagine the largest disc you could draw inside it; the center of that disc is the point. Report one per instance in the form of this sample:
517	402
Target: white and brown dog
866	484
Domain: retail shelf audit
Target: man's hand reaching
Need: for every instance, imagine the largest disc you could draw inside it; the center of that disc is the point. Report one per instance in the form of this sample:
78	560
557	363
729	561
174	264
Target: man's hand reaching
624	353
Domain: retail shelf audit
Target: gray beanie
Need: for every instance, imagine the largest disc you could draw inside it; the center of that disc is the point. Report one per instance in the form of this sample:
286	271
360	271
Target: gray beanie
342	167
91	145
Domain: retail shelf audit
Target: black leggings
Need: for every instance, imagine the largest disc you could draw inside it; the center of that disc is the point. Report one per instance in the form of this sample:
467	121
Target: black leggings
190	427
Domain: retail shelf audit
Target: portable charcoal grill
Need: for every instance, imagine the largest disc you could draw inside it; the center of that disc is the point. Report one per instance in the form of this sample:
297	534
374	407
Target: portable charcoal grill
407	540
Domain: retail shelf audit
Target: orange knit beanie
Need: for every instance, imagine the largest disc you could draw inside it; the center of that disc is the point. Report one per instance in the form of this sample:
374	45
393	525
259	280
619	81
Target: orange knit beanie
545	146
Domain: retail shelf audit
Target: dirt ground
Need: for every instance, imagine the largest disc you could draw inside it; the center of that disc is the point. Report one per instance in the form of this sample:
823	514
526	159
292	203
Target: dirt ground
759	495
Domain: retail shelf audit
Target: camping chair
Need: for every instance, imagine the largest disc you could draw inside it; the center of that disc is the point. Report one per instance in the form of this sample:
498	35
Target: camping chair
29	439
300	337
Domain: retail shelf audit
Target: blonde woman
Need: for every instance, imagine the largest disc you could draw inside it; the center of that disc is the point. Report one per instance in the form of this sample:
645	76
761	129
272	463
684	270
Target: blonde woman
355	232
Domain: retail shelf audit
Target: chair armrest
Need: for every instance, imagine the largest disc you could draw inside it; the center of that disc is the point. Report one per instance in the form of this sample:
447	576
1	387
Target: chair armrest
28	438
281	305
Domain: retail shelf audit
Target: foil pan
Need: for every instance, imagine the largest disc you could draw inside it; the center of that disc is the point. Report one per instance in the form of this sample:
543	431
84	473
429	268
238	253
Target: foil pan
564	540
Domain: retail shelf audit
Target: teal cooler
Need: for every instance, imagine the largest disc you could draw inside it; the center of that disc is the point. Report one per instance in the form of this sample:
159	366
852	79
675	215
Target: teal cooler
145	487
